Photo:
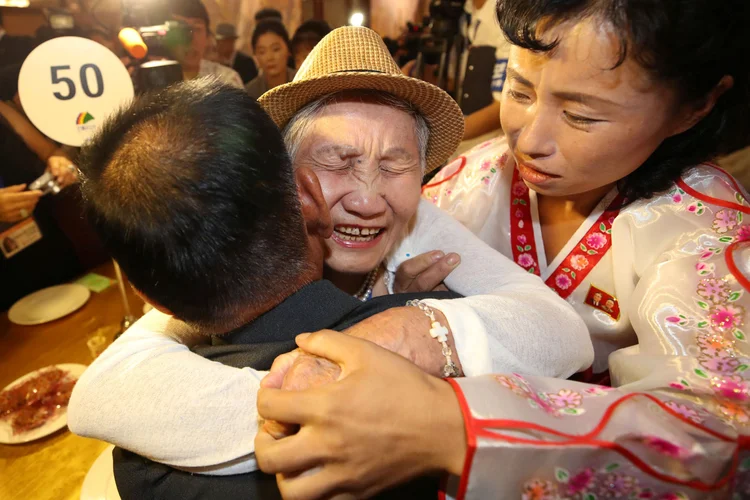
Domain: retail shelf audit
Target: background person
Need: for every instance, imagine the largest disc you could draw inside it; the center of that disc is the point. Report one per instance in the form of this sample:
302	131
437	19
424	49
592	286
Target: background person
270	44
306	38
228	55
191	57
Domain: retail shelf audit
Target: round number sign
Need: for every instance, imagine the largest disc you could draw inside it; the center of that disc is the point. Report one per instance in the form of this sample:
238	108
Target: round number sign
68	86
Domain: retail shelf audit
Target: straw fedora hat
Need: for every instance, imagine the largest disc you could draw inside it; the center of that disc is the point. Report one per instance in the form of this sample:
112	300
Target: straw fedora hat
356	58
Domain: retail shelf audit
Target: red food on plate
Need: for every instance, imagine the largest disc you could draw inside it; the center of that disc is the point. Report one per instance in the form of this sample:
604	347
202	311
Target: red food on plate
32	403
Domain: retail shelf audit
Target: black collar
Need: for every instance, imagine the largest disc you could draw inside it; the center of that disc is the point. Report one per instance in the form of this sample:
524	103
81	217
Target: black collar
314	307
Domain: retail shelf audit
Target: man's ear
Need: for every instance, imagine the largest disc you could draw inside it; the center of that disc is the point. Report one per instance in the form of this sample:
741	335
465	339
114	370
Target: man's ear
694	115
152	303
314	207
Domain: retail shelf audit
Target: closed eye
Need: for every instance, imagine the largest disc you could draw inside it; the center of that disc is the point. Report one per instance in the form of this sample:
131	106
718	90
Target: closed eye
578	120
518	96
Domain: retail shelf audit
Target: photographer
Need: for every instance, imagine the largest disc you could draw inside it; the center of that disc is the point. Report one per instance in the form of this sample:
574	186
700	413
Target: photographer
483	65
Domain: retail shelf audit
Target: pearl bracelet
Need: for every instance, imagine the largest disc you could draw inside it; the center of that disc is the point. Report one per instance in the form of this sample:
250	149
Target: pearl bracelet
439	333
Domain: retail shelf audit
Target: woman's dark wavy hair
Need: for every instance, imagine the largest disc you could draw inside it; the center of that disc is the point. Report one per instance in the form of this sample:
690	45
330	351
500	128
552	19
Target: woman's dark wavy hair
689	44
270	26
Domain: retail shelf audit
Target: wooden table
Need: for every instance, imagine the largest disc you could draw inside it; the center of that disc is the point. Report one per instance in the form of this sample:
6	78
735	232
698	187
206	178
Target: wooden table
54	467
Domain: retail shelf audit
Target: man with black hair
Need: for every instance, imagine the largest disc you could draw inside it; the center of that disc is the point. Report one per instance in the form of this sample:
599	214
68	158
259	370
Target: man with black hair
194	14
193	193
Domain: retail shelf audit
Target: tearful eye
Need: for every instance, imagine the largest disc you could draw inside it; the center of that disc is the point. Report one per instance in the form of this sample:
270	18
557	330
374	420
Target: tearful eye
518	96
578	120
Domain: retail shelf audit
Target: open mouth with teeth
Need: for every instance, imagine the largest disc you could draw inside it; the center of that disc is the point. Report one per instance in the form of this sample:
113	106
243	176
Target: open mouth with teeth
356	236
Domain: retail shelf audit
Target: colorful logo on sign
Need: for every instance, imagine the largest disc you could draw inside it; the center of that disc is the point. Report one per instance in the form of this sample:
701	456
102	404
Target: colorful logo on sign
84	117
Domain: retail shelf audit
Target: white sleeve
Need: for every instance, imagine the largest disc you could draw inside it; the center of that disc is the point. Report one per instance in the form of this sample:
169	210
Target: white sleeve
509	319
150	394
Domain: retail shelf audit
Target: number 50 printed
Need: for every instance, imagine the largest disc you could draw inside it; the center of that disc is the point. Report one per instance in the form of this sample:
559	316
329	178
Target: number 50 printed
83	77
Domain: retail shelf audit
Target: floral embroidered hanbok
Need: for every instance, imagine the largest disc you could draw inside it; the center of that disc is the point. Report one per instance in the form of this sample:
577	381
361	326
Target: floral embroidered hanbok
664	288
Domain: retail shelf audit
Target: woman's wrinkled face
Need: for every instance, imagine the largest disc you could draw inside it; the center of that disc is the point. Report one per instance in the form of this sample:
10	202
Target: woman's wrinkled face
271	53
576	124
367	159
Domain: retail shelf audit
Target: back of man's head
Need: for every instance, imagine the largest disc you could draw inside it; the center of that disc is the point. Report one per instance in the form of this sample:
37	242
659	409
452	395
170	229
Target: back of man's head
191	190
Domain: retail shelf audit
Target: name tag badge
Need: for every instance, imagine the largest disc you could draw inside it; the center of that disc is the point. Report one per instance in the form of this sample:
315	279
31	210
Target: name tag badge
18	237
603	301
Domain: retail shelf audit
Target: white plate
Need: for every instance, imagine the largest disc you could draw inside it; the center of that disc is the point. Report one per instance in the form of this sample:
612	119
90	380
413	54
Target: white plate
49	304
100	479
52	425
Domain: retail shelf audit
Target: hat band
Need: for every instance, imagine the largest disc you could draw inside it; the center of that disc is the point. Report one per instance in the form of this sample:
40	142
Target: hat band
360	71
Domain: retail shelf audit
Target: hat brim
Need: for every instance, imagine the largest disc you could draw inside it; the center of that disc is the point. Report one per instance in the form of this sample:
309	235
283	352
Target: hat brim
443	116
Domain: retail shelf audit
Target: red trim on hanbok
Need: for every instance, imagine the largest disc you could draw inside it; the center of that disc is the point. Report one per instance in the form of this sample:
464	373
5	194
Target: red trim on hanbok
458	171
577	265
471	442
481	427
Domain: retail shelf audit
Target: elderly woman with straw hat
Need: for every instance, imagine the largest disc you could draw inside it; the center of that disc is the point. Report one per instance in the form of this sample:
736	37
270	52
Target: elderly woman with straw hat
369	133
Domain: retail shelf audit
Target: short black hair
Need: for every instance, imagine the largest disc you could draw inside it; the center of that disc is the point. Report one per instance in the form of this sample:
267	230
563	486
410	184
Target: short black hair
192	191
270	26
268	13
690	45
192	9
309	33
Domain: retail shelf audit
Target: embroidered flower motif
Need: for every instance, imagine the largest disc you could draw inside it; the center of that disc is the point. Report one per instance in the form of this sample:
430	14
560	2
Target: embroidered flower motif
563	282
743	233
579	262
735	412
704	269
521	224
518	213
525	260
713	290
720	364
726	317
675	385
485	165
672	496
617	486
565	399
598	390
596	240
713	345
685	410
611	221
677	198
501	160
537	489
521	239
724	221
519	189
665	447
486	180
581	481
731	389
696	208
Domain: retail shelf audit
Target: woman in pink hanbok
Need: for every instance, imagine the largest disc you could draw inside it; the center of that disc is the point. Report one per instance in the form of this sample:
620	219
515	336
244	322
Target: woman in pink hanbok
602	187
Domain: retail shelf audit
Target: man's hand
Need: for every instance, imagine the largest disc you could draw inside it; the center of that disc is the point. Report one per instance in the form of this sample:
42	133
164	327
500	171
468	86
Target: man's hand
383	422
297	371
425	273
17	204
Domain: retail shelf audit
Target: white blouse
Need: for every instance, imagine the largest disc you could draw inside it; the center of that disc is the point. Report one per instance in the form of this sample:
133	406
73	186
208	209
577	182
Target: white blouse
508	321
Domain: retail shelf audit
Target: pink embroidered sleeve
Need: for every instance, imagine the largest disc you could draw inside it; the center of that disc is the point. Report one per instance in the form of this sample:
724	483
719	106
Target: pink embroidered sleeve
678	427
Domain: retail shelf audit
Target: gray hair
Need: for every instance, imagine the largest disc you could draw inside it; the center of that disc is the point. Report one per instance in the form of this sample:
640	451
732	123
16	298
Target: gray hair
296	129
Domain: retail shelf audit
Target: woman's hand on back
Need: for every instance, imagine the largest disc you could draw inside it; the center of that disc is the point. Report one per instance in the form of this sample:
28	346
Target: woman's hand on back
425	272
